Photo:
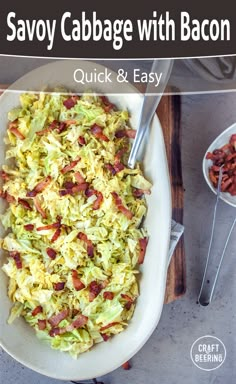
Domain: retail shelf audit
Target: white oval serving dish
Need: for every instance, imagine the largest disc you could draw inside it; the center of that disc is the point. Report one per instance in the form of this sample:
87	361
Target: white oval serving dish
19	339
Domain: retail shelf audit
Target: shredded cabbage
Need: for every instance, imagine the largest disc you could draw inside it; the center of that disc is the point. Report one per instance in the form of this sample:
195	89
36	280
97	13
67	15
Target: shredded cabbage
114	236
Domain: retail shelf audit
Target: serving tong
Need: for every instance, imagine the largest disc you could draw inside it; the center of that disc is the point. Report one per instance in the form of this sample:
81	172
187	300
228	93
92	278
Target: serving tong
211	272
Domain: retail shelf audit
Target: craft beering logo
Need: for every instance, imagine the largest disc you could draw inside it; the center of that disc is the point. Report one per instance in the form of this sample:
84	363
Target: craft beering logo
208	353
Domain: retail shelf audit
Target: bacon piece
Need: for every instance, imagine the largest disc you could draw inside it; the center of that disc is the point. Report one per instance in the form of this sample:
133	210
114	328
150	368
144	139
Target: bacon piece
39	208
126	366
56	319
29	227
39	187
130	133
70	102
56	235
143	245
80	187
120	153
13	128
94	290
129	301
104	336
97	203
82	236
90	192
109	325
81	140
42	324
79	322
4	175
49	226
70	166
55	331
140	192
62	127
110	168
16	256
121	207
51	253
107	105
118	166
69	184
79	178
37	310
107	295
97	132
25	204
5	195
78	285
59	286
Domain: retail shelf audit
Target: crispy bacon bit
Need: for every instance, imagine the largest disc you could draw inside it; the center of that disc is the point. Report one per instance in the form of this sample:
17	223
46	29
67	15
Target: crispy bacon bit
97	132
51	253
79	322
62	127
29	227
120	153
9	198
121	207
16	256
49	226
107	295
109	325
4	175
69	185
25	204
130	133
143	245
126	366
39	187
70	102
37	310
56	319
97	203
90	192
78	285
83	237
39	208
94	290
81	140
13	128
110	168
140	192
42	324
80	187
224	157
59	286
118	166
70	166
129	301
55	331
107	105
105	337
56	235
79	178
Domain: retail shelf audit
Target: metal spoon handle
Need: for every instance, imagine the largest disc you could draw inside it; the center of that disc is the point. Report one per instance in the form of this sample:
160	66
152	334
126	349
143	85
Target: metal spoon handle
211	272
150	102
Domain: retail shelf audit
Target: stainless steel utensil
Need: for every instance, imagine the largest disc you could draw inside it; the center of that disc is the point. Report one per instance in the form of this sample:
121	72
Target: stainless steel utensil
151	100
211	272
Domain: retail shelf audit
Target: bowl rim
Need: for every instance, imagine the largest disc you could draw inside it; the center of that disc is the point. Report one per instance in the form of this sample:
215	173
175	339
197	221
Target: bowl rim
204	170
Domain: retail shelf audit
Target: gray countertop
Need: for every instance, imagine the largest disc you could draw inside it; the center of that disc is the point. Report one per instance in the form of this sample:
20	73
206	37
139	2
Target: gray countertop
165	358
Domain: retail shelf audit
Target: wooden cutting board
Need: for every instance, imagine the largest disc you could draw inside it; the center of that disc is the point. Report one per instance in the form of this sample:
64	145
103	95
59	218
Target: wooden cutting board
169	114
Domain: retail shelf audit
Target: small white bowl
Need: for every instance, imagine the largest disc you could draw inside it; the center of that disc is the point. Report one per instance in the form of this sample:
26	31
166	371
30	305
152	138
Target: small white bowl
221	140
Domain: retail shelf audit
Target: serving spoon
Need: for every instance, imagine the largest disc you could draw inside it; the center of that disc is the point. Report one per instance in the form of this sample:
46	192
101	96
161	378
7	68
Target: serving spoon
151	100
211	272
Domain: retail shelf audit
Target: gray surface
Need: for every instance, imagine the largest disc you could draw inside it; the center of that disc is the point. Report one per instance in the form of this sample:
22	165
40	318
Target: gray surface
165	358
